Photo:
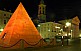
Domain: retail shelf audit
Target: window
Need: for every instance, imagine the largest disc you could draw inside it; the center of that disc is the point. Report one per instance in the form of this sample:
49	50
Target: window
4	14
43	11
48	24
4	21
40	9
52	30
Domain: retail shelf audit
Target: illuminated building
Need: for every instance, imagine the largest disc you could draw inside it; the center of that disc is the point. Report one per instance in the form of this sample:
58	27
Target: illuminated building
49	29
4	17
75	26
71	27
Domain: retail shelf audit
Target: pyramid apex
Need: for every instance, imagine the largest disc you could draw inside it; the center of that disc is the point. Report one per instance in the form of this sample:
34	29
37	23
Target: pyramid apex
20	3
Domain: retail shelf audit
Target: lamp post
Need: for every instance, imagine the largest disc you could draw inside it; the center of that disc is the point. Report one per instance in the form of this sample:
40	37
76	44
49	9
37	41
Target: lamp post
39	29
68	24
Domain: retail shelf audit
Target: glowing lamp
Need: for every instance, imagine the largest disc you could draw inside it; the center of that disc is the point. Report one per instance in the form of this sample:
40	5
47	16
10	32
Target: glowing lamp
71	30
65	34
38	25
68	24
80	35
1	29
49	30
69	34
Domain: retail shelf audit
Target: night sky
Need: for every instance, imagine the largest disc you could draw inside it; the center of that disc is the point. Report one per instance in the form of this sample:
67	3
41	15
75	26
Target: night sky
60	9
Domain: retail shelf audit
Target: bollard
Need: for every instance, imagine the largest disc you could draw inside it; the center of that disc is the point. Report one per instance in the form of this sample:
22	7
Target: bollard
22	44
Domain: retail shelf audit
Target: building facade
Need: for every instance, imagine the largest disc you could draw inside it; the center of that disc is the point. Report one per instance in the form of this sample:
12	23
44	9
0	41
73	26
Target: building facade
75	27
4	17
67	27
49	29
71	27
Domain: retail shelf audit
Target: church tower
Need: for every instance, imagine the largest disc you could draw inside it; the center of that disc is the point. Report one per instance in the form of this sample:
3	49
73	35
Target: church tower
42	11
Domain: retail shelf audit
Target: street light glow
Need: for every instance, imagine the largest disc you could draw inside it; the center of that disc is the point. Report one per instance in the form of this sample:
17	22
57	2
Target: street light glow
68	24
38	25
1	29
49	30
71	30
57	27
80	35
69	33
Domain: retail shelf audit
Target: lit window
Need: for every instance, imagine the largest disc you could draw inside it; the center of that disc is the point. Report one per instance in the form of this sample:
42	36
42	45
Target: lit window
68	24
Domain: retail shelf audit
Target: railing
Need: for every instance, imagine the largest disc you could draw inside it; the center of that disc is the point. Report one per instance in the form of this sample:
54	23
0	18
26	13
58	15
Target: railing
40	41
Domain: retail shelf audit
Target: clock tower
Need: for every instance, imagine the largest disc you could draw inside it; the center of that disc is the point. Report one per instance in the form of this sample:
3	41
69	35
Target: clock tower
42	11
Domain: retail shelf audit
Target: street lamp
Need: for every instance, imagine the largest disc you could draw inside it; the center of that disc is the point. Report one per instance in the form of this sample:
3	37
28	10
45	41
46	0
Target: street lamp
49	30
68	24
38	25
39	29
80	35
1	30
71	33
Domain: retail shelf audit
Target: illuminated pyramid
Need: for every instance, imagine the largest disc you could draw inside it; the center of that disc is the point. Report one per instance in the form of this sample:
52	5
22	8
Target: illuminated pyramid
20	26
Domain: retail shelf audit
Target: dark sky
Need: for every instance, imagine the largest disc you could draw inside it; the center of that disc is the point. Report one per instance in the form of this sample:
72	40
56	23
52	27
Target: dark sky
66	8
62	9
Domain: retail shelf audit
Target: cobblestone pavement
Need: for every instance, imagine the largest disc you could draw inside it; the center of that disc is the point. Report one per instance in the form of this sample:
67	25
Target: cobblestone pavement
74	45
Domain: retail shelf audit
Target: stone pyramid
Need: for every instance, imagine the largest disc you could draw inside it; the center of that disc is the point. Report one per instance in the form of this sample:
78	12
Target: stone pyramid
20	26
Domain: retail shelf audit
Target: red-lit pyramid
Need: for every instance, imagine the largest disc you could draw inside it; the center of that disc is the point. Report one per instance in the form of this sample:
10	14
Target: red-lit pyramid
20	26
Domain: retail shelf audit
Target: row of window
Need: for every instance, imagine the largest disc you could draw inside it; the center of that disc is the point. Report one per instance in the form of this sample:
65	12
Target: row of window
5	21
6	15
50	25
42	10
46	25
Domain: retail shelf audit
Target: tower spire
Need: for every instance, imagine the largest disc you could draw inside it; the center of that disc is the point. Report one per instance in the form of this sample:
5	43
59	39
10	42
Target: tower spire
42	11
42	2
